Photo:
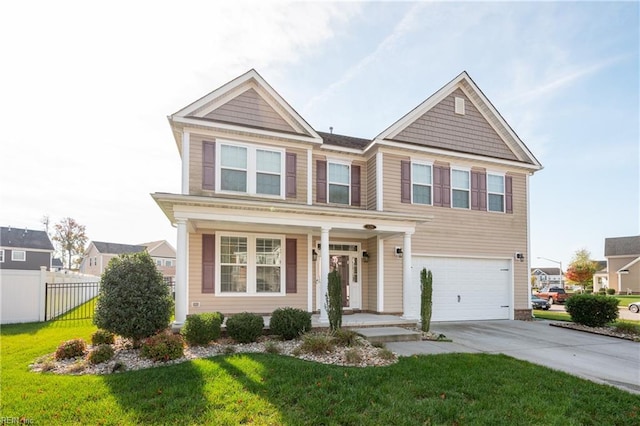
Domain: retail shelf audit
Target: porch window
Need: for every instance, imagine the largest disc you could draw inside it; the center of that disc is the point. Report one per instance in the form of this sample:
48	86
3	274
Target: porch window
421	183
251	264
250	170
460	188
339	183
495	192
1	256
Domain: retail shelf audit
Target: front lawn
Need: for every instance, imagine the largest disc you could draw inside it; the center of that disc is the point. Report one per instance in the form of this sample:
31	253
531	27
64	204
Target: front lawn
626	300
274	389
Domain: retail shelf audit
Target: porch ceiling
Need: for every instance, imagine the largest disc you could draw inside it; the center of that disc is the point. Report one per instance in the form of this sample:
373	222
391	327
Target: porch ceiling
275	216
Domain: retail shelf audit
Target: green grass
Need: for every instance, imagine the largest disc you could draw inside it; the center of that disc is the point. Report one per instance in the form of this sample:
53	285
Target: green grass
551	315
626	300
273	389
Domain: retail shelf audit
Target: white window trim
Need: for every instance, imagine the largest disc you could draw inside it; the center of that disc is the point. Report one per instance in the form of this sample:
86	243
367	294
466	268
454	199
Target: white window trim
13	257
251	265
504	193
1	256
422	163
251	168
468	171
342	163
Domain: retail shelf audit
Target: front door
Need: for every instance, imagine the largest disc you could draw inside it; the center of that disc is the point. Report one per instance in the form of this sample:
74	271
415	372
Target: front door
341	264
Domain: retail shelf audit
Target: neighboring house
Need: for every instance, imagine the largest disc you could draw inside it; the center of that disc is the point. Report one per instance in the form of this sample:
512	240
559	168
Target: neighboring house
546	276
623	264
269	205
25	249
56	264
98	254
601	277
164	255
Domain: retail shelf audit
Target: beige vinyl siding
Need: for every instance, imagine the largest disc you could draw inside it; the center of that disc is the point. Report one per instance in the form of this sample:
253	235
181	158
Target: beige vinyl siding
255	304
392	277
163	250
195	168
630	280
250	109
370	286
441	127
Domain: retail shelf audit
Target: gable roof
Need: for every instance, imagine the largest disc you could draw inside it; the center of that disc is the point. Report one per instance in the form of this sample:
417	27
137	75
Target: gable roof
24	239
116	248
622	246
247	101
344	141
546	271
160	248
491	135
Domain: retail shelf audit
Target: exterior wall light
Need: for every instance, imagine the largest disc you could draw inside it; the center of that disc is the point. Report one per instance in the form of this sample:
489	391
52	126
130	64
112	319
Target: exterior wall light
398	251
365	257
314	255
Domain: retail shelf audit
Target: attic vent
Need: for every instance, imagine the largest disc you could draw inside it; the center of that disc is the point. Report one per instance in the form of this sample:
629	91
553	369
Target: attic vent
460	106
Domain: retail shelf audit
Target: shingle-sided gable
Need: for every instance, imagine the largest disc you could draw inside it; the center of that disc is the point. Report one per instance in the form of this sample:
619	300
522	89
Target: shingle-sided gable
441	127
250	109
24	239
459	118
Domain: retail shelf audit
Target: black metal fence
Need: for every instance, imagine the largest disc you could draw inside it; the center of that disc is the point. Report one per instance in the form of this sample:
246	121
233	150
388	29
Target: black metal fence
70	300
74	301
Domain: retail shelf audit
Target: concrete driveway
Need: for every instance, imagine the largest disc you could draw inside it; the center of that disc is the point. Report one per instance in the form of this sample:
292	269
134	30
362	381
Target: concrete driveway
602	359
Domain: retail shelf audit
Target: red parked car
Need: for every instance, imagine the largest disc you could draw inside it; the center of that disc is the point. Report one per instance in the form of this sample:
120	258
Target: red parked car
552	294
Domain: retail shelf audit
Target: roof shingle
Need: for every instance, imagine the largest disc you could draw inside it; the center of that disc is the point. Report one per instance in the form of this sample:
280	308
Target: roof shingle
24	238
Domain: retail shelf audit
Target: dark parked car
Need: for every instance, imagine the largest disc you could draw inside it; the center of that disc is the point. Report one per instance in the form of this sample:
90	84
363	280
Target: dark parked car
634	307
537	303
553	294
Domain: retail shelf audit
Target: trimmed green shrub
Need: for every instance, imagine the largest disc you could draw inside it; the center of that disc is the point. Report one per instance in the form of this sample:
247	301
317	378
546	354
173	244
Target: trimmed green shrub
334	301
592	310
611	291
245	327
200	329
163	347
71	349
602	292
133	302
101	353
426	296
289	323
103	337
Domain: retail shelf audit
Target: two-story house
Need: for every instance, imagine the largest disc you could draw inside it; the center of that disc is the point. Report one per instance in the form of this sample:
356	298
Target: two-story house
98	254
25	249
269	206
546	277
623	265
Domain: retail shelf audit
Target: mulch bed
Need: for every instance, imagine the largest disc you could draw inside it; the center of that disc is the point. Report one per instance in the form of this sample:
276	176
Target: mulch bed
604	331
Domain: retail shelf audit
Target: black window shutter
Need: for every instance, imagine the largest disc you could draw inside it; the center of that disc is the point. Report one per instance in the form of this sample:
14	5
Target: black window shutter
355	185
291	265
208	263
291	174
208	165
405	181
321	181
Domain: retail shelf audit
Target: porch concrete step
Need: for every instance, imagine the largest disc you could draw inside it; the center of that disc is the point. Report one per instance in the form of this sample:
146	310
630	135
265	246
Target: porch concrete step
388	334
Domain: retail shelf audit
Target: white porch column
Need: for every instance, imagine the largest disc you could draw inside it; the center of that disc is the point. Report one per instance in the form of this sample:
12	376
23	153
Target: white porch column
181	274
324	271
410	291
380	275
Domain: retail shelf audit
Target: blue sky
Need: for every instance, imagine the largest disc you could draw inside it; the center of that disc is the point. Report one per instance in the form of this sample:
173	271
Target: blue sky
86	89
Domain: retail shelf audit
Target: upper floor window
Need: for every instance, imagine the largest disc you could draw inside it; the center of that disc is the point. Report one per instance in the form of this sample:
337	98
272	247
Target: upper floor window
168	262
158	262
421	183
250	170
1	256
460	187
18	255
495	192
339	181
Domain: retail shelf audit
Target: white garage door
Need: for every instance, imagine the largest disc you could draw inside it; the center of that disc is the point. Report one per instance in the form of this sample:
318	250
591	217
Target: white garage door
468	289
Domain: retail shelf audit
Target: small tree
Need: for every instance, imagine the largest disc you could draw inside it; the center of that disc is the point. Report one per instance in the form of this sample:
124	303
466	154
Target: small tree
426	288
133	302
581	268
70	238
333	303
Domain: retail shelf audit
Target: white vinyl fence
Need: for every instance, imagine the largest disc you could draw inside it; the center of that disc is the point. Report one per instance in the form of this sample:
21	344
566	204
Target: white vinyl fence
22	294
